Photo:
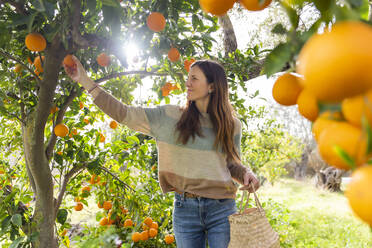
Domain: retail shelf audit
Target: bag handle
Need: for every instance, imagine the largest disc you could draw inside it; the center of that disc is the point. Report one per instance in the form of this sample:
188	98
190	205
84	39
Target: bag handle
257	201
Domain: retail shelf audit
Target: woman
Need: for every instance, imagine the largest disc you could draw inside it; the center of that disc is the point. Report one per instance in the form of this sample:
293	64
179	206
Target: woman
198	148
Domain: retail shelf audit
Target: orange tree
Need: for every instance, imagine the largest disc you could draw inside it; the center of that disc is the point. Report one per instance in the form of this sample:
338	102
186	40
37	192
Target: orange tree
57	145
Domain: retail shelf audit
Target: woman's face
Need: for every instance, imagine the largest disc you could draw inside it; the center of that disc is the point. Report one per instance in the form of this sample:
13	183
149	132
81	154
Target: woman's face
197	85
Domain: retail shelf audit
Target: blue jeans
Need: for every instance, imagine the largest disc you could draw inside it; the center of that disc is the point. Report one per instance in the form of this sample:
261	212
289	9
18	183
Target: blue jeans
196	220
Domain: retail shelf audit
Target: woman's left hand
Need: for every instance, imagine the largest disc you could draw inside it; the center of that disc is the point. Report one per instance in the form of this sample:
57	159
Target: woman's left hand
250	180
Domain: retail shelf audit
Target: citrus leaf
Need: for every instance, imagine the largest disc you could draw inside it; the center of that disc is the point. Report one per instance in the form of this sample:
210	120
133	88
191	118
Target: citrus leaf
344	156
16	242
277	59
17	220
62	216
367	129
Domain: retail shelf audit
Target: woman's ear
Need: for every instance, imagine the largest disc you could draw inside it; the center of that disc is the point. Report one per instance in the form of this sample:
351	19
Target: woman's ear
210	88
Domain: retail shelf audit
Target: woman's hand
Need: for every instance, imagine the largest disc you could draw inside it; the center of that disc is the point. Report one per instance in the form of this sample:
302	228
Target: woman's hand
250	180
76	72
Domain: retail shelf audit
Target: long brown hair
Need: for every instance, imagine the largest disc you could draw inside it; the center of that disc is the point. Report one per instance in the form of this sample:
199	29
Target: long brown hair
219	110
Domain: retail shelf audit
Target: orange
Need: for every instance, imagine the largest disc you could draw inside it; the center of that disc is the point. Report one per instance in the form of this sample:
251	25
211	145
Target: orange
86	120
354	108
104	221
169	239
35	42
156	22
61	130
37	72
18	68
216	7
85	189
286	89
124	210
148	221
102	138
103	59
29	60
39	63
144	235
74	131
77	199
187	64
336	64
173	54
307	105
54	109
81	105
64	232
345	136
153	168
154	225
145	227
255	5
113	124
167	87
68	61
136	236
78	206
323	121
153	232
128	223
107	205
94	179
359	193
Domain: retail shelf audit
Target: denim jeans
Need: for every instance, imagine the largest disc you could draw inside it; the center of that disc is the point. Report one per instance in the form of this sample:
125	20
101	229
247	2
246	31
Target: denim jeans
196	220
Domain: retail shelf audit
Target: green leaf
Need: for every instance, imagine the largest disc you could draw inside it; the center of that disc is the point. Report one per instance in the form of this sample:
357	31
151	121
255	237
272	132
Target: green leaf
17	242
277	59
62	216
133	140
38	5
279	29
17	220
292	14
344	156
5	223
367	129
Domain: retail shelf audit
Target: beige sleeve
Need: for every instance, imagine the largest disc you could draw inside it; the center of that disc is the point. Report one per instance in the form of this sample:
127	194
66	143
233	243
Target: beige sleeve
110	105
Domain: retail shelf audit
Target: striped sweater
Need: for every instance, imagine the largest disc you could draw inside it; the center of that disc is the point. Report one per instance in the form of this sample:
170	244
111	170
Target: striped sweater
195	167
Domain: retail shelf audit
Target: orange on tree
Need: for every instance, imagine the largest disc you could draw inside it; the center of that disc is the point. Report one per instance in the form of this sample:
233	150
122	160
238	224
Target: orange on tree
156	21
187	64
307	105
173	54
37	72
104	221
113	124
153	232
354	108
29	60
39	63
107	205
216	7
18	68
347	137
61	130
124	210
336	64
35	42
94	179
255	5
148	221
136	236
64	232
359	193
128	223
86	120
85	189
103	59
68	61
167	87
81	105
144	235
324	120
169	239
154	225
74	131
78	206
286	89
102	137
54	109
77	199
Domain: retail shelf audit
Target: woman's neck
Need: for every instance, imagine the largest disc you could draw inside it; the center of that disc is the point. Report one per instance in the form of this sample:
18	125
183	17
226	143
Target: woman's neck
202	104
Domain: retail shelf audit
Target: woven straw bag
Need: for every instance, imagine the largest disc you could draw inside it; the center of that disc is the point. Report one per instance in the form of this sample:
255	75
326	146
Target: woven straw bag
250	228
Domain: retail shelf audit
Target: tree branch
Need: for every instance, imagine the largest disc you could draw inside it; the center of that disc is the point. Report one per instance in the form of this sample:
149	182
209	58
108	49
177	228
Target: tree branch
7	55
120	74
18	5
116	177
76	169
61	113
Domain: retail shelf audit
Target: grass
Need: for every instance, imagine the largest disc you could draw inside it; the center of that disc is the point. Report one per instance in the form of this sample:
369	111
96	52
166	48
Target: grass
316	218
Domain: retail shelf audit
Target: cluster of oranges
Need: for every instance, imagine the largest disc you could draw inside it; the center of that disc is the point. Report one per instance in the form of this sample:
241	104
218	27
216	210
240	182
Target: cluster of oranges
168	87
220	7
333	89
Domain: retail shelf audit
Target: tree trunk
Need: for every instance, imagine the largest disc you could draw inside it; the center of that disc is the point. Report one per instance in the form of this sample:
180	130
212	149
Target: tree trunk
301	168
229	39
37	163
330	179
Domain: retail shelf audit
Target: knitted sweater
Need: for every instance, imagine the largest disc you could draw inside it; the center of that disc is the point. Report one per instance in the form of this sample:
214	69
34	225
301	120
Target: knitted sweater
195	167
